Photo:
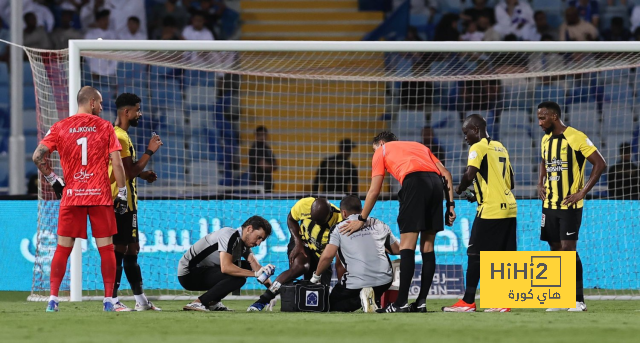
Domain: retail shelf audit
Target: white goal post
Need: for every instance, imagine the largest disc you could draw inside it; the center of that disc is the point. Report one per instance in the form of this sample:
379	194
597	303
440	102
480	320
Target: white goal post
77	47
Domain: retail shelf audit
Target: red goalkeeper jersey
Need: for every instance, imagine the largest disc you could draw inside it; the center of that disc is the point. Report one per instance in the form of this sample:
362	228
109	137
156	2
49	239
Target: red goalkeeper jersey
84	142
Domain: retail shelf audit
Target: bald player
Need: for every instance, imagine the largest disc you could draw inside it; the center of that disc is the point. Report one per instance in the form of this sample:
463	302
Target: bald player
423	178
309	221
85	143
494	228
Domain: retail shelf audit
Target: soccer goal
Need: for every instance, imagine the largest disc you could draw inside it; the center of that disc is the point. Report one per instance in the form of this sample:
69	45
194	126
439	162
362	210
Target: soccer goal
246	125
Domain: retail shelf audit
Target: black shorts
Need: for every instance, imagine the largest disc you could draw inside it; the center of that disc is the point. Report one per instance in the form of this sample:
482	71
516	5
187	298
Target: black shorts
492	235
421	207
127	228
325	278
348	300
560	225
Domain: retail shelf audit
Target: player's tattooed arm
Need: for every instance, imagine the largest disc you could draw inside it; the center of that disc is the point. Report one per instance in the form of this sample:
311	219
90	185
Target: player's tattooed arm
41	159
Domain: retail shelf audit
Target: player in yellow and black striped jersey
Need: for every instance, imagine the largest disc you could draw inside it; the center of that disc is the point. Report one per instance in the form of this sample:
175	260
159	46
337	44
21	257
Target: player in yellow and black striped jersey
125	242
561	184
310	221
494	228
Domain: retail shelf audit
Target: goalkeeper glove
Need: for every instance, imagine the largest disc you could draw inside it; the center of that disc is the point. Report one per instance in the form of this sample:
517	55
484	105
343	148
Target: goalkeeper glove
315	278
57	183
120	203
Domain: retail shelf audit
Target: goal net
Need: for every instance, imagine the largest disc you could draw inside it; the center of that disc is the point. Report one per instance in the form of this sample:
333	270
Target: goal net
246	132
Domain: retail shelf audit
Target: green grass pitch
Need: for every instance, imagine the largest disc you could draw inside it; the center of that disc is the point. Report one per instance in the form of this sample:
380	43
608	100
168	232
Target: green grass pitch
22	321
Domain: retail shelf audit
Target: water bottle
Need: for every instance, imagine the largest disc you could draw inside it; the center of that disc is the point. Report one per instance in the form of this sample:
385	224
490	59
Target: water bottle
263	277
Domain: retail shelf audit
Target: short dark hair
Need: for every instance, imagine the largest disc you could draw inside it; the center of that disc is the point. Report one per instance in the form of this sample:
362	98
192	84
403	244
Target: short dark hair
385	136
127	99
262	129
102	14
550	105
625	148
257	223
134	18
351	203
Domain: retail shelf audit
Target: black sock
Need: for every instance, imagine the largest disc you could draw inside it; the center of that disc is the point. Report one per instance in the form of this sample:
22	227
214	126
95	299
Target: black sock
407	269
473	278
267	296
428	269
579	282
116	285
134	275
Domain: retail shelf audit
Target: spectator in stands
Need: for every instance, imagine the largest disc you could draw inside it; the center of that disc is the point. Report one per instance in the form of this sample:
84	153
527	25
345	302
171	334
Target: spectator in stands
43	14
122	10
262	161
101	67
65	31
169	9
212	11
589	10
197	30
472	33
542	28
447	29
513	16
35	36
133	31
486	26
168	31
88	12
575	28
429	141
336	174
479	9
624	176
617	31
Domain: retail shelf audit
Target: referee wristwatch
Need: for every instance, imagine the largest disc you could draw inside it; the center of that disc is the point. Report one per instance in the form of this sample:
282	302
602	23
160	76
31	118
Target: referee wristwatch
451	204
361	219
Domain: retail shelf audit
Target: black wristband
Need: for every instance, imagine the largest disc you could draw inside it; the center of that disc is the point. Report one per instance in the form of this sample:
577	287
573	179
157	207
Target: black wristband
451	204
148	152
361	219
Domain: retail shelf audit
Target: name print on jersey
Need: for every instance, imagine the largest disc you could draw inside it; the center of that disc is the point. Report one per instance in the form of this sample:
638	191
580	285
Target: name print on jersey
82	129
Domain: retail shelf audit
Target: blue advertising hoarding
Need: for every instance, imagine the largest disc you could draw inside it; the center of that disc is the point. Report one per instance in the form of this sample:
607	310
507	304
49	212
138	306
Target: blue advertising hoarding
609	243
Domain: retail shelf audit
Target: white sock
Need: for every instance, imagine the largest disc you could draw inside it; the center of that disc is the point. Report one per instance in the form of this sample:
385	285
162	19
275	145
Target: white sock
108	299
141	299
54	298
114	300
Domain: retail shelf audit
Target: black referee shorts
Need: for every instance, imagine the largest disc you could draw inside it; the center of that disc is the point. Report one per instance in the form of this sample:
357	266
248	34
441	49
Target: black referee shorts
127	228
492	235
421	207
560	225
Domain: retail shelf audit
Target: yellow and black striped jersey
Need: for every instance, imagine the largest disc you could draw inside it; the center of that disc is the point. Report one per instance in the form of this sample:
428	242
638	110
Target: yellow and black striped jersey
493	181
314	235
127	151
564	157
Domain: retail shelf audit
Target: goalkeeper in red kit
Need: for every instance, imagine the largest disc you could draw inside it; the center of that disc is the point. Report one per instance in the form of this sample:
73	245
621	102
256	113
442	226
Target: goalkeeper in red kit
85	143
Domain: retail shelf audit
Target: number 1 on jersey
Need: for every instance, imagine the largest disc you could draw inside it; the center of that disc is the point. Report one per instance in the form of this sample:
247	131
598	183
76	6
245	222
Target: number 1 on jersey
83	141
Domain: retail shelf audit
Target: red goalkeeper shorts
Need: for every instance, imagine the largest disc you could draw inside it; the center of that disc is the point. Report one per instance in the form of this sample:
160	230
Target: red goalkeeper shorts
72	221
